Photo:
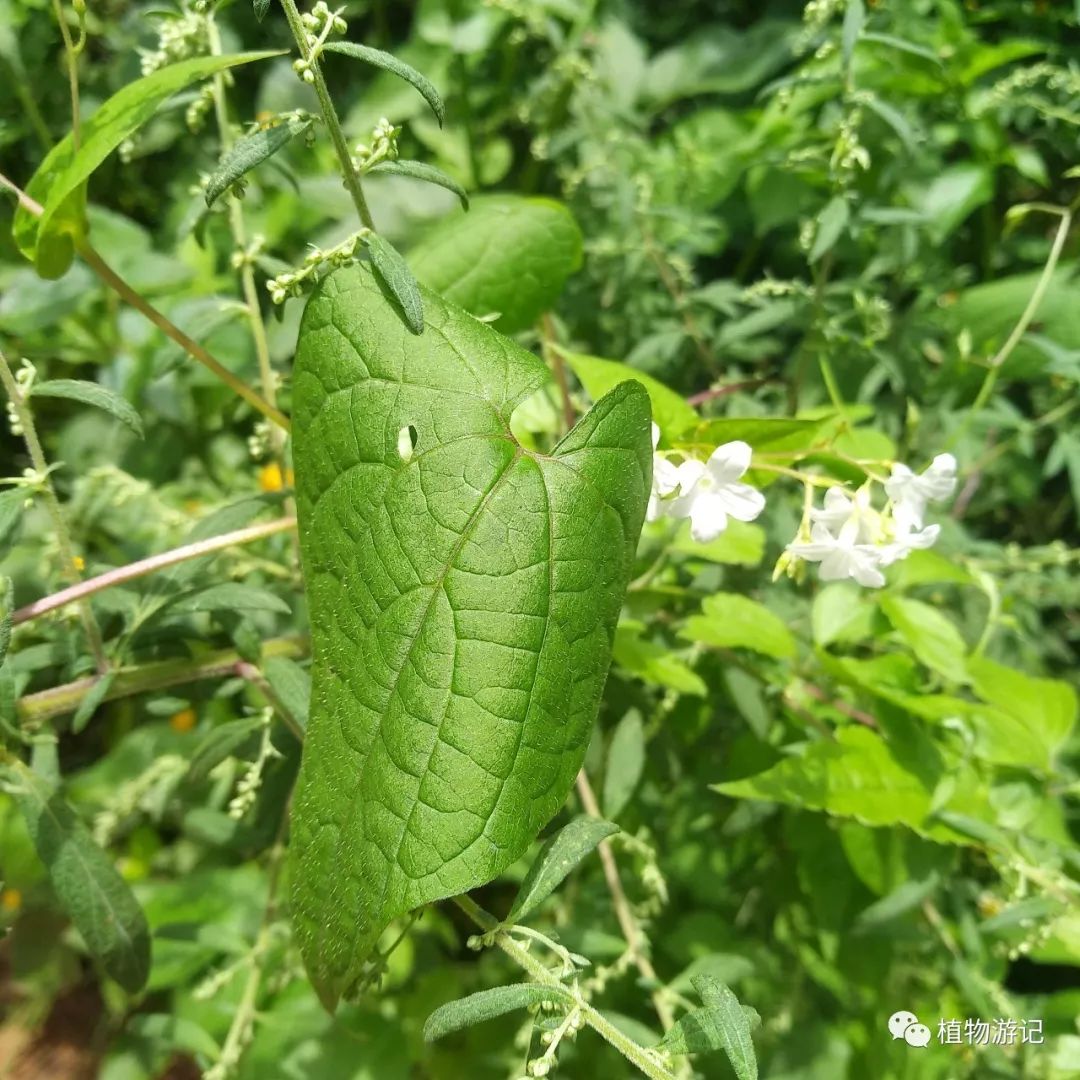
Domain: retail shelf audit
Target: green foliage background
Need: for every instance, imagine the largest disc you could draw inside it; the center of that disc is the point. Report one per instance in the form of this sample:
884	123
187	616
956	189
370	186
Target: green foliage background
840	803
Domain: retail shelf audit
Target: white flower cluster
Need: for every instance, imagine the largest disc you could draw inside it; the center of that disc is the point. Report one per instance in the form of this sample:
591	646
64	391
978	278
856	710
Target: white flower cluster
383	146
708	493
293	282
848	538
178	38
319	24
24	380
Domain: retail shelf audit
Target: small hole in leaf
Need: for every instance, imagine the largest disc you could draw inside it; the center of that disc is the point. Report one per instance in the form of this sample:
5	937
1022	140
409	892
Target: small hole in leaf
406	442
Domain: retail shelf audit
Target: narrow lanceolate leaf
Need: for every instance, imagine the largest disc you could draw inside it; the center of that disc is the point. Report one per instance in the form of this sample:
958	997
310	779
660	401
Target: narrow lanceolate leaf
7	606
252	150
559	855
230	596
394	273
87	884
378	58
721	1024
625	763
487	1004
462	607
418	170
89	393
59	184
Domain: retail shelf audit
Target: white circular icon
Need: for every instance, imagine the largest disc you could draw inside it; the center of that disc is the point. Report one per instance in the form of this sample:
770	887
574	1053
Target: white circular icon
899	1022
917	1035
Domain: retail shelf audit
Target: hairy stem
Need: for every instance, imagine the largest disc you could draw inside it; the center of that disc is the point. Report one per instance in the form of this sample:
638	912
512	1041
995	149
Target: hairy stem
144	307
554	356
34	709
69	567
150	565
192	348
326	106
627	922
644	1060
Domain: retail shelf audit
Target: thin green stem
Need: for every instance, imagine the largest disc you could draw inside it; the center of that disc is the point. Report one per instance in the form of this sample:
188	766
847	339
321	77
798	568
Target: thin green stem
71	54
34	709
1029	312
644	1060
69	568
192	348
144	307
239	234
326	105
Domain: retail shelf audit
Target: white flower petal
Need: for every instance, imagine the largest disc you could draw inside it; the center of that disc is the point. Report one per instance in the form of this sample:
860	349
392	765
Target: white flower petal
741	501
689	473
708	517
728	462
864	569
655	434
665	475
837	509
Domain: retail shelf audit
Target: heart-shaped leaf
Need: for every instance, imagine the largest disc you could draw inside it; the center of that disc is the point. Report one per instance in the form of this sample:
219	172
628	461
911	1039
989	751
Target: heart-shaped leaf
463	598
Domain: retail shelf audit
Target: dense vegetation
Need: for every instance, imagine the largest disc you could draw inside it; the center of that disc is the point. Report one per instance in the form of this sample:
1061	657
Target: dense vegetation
830	794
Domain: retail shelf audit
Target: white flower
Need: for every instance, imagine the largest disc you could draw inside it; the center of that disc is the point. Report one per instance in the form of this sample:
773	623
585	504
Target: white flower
665	479
906	541
710	493
842	557
910	492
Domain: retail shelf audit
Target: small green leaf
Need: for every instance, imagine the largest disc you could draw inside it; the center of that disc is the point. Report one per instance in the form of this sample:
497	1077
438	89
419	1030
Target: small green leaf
394	273
90	702
91	394
721	1024
831	223
854	17
7	607
59	184
487	1004
462	608
228	597
933	637
221	742
510	255
11	507
557	858
904	898
670	411
1045	708
87	884
729	620
857	776
655	663
418	170
378	58
251	150
625	763
292	684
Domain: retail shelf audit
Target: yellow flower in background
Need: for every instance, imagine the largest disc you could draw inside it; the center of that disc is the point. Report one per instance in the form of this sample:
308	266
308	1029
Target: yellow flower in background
183	721
270	477
10	900
79	563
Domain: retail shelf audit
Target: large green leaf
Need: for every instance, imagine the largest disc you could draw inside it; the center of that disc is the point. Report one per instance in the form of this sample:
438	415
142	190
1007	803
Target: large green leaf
462	606
48	241
509	255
